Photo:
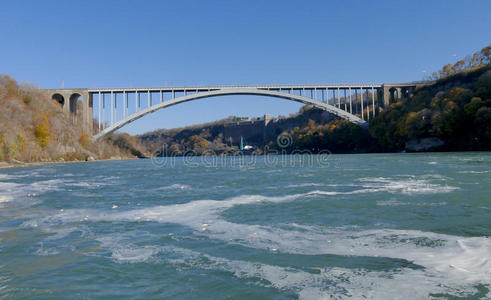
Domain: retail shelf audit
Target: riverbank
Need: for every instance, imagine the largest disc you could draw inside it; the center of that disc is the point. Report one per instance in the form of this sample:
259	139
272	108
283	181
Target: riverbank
6	165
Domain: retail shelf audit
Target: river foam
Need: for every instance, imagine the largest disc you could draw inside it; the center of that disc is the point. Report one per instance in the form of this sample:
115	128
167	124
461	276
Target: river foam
174	186
313	283
406	185
449	263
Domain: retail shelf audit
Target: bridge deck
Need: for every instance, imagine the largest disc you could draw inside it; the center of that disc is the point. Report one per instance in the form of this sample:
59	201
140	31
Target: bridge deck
207	88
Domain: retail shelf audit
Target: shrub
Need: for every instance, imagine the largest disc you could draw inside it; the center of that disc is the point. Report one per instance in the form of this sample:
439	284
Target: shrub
42	132
9	84
84	139
27	99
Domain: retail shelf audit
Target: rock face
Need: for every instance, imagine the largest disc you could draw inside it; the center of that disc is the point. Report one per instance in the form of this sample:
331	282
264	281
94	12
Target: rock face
223	135
424	144
17	162
63	149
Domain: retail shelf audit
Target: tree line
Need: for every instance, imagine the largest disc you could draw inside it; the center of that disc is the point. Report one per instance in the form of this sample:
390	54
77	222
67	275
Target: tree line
471	62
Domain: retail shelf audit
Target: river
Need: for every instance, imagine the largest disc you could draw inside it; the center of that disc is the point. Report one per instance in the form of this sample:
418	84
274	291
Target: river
376	226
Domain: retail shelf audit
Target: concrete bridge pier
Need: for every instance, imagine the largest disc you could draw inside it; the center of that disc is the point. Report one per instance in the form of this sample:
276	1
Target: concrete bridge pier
87	110
392	93
77	103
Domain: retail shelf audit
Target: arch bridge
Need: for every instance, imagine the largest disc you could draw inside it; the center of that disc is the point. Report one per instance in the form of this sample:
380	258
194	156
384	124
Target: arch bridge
105	110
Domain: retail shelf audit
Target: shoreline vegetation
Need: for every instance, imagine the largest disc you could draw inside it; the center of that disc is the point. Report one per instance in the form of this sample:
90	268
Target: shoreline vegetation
451	113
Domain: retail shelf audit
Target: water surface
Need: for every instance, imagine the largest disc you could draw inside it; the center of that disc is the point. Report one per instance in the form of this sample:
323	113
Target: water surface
378	226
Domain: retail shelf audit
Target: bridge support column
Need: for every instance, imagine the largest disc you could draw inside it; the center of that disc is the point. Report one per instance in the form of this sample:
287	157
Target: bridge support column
386	95
100	112
350	101
88	111
361	100
111	103
399	94
373	102
344	101
137	101
66	107
380	99
339	100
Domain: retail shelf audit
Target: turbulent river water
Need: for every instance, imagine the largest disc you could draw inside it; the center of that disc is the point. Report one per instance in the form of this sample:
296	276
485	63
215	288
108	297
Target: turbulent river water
376	226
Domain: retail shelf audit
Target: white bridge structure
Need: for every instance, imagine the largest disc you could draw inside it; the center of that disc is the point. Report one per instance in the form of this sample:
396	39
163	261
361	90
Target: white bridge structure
113	108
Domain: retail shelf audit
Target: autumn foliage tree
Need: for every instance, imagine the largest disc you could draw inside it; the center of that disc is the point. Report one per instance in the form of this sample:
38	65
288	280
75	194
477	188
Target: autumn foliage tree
471	62
42	132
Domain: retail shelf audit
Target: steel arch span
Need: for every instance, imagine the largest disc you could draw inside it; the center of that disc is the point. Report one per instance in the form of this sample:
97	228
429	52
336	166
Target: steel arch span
232	91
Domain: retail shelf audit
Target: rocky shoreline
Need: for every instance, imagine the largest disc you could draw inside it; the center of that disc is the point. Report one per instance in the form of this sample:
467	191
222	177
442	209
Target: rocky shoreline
19	164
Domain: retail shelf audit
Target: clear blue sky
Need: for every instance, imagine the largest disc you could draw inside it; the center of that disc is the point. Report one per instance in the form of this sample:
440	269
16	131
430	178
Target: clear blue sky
153	43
